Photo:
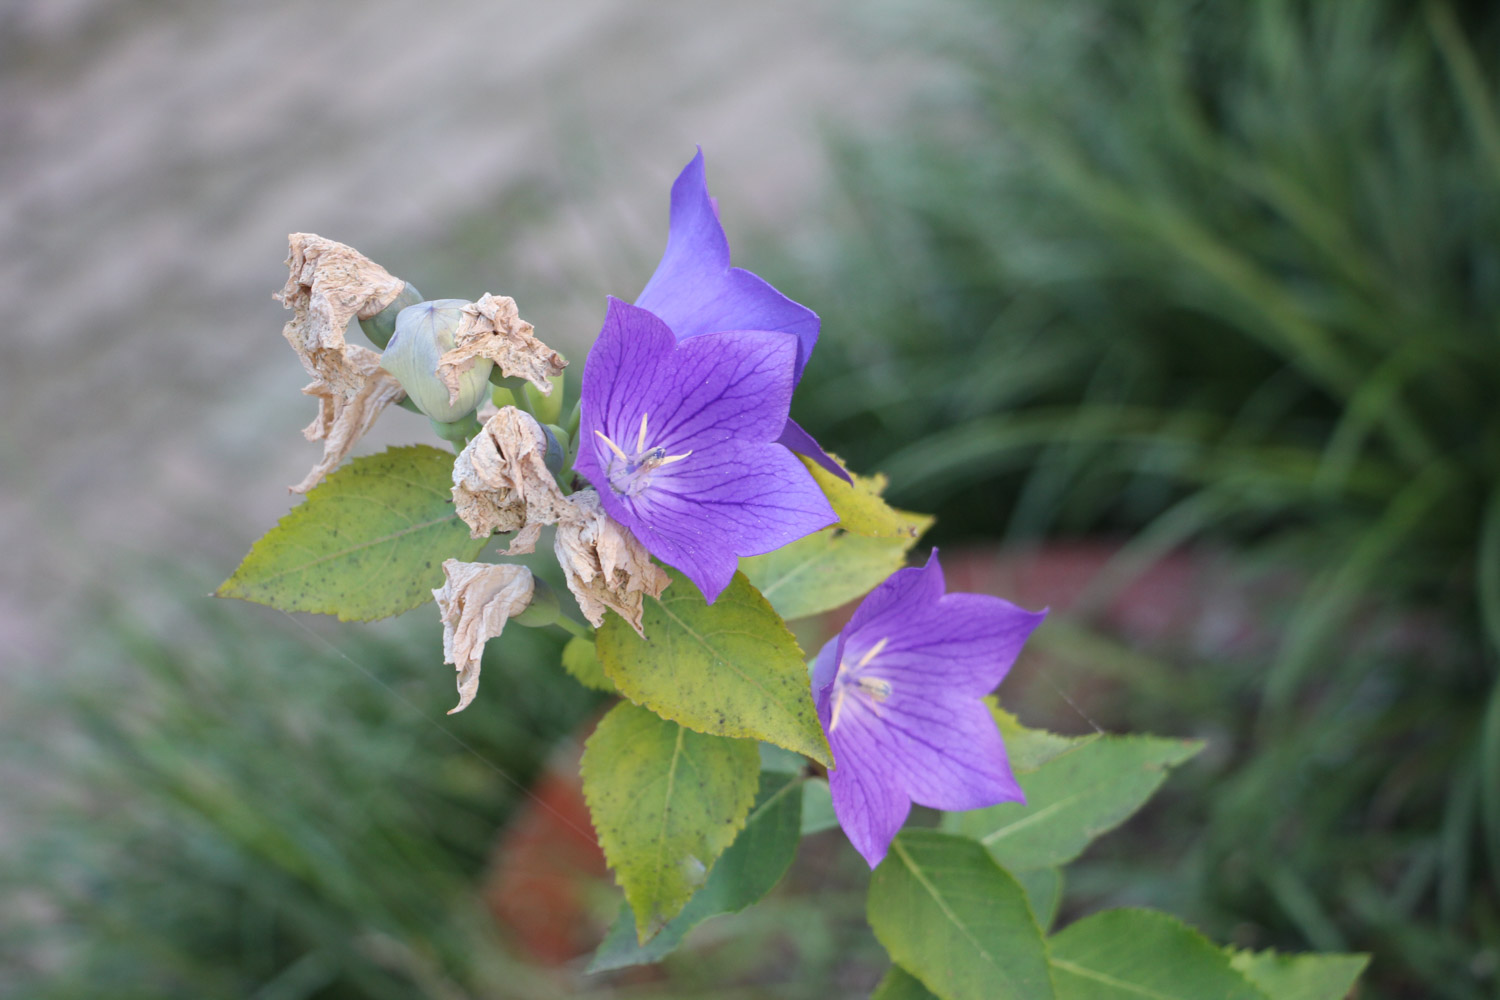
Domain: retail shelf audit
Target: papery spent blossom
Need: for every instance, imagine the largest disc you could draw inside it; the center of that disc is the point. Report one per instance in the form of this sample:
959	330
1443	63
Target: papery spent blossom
476	600
342	420
899	692
695	291
606	567
501	481
492	331
327	285
679	439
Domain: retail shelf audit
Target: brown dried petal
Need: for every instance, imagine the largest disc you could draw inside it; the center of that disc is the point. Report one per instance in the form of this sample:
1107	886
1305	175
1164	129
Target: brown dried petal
476	600
606	566
493	328
328	284
343	420
501	482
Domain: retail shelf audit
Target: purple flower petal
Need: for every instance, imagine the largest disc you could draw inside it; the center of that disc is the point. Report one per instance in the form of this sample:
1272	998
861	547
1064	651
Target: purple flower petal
824	666
679	439
942	750
870	807
695	291
731	500
903	590
797	439
898	693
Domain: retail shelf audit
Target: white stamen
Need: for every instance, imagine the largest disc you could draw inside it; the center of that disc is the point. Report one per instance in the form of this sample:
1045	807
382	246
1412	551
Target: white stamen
874	652
612	446
640	441
675	458
878	690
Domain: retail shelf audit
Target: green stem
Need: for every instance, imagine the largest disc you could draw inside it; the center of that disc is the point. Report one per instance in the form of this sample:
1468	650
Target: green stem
576	629
457	433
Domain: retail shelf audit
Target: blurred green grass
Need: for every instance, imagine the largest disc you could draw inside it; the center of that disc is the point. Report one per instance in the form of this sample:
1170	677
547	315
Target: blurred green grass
1223	274
228	803
213	799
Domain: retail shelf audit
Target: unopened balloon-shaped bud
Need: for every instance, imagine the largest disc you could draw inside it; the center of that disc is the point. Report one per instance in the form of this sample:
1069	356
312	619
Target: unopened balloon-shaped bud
543	609
424	332
546	408
557	449
380	326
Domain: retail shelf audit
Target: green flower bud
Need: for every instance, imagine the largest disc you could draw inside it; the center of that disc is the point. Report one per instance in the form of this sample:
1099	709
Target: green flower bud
380	326
547	409
557	449
543	609
424	333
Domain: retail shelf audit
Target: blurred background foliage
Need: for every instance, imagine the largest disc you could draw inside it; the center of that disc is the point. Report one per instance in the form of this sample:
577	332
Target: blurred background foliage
1225	275
1192	276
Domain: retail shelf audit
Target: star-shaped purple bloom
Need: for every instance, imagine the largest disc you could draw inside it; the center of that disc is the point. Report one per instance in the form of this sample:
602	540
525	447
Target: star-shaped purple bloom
695	291
898	692
679	438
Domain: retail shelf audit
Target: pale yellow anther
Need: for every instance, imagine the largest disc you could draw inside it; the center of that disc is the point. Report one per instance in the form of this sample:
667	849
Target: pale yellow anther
877	689
640	440
612	446
874	652
838	708
674	458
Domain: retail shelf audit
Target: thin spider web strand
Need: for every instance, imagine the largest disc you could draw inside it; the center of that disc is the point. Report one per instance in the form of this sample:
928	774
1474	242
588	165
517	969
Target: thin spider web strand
417	710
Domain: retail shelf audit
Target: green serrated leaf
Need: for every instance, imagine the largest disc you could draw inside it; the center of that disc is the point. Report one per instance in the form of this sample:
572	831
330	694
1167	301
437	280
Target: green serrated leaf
1300	977
368	542
823	571
749	869
1142	955
730	668
957	921
898	984
666	802
860	507
1029	749
580	660
1044	888
1072	799
817	807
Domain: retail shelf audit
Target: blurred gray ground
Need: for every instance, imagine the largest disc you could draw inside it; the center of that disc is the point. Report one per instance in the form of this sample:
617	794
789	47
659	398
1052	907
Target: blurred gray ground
153	157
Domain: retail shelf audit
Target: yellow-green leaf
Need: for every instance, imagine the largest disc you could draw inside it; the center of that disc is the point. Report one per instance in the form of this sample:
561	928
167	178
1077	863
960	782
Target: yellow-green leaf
580	660
826	569
729	668
367	543
666	802
860	508
1029	749
1300	977
751	867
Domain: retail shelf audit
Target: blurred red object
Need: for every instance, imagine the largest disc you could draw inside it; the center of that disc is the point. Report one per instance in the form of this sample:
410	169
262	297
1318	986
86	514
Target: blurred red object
545	865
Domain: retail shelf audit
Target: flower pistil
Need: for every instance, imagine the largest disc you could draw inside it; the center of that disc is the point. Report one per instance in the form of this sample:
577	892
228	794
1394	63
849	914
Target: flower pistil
629	475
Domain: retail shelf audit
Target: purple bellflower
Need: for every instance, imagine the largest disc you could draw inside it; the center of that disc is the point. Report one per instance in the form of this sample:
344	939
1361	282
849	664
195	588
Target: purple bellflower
898	692
679	438
694	291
